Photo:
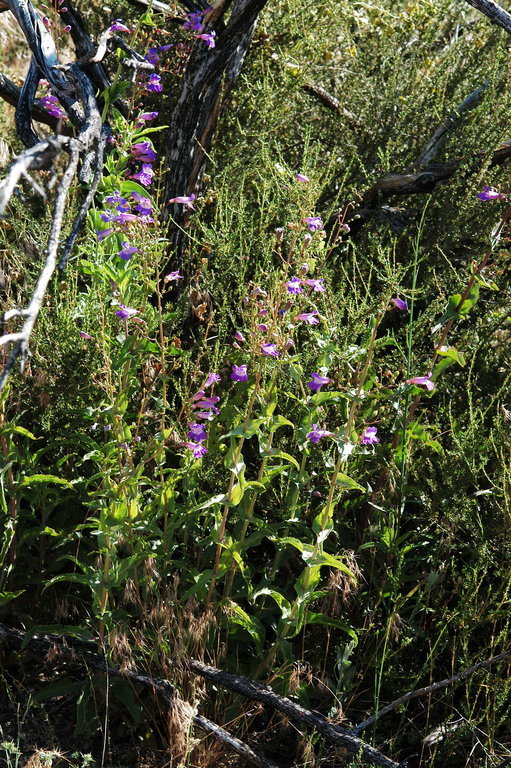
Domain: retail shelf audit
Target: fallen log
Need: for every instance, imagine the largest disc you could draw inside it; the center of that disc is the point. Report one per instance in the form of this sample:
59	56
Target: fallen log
56	647
263	693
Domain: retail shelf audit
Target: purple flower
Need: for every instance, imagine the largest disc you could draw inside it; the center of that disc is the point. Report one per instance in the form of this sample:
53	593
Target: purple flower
369	436
154	84
196	431
85	335
198	450
318	382
294	285
400	304
145	117
316	285
126	312
308	317
144	152
120	202
118	26
145	206
51	104
209	38
183	200
194	21
262	327
239	336
127	251
107	215
269	349
314	223
152	56
172	276
212	379
208	402
316	434
422	381
206	415
197	396
144	176
301	177
239	373
490	194
102	233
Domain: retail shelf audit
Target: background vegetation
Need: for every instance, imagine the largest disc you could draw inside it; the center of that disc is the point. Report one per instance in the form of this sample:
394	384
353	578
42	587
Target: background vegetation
344	573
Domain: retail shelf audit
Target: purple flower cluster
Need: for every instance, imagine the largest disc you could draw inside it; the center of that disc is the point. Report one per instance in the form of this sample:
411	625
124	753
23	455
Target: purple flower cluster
144	153
194	22
205	409
122	214
318	381
294	285
118	26
51	104
314	223
369	436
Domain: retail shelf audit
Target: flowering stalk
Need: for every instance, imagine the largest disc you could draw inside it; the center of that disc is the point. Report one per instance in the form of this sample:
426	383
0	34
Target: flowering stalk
225	514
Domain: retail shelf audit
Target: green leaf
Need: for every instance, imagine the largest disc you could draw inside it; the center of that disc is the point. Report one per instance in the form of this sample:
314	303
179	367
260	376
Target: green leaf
6	597
246	430
349	483
44	479
328	621
282	455
11	429
282	602
236	615
452	353
279	421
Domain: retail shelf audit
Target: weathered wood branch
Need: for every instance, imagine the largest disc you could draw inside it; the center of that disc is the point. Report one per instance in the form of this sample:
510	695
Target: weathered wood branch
427	179
10	93
494	12
436	142
263	693
76	93
210	75
329	101
57	648
432	688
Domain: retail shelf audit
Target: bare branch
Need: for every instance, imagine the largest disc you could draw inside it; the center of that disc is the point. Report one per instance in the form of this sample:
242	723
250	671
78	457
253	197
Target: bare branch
254	690
21	349
494	12
84	652
434	145
432	688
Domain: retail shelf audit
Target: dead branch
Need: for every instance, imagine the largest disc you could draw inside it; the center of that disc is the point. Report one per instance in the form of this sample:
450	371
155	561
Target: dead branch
432	688
10	93
329	101
209	78
436	142
21	340
494	12
426	180
263	693
57	648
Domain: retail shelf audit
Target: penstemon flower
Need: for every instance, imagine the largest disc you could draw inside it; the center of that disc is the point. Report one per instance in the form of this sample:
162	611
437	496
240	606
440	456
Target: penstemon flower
423	381
316	434
239	373
318	381
369	436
